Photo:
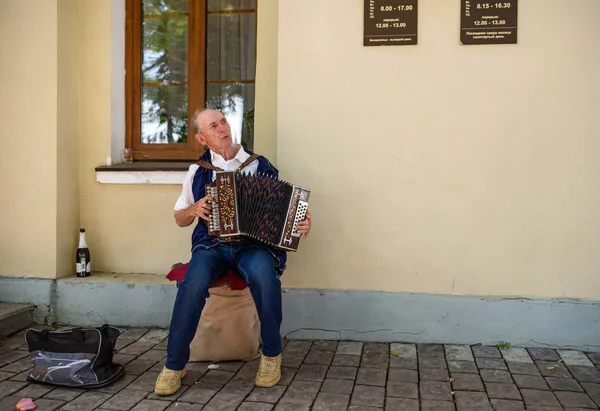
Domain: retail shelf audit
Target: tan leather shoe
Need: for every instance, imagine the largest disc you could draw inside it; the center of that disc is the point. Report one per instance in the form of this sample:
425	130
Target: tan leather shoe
269	371
169	381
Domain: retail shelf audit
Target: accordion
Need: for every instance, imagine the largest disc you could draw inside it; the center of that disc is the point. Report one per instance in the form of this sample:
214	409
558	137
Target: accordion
258	206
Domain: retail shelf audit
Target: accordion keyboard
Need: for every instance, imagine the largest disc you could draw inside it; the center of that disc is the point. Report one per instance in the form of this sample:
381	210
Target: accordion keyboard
300	216
213	224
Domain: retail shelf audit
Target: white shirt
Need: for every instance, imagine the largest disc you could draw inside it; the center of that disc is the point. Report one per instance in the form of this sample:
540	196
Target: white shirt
186	198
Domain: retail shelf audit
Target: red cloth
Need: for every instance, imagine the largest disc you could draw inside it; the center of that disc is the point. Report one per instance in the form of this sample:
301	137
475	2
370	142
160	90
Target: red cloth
231	278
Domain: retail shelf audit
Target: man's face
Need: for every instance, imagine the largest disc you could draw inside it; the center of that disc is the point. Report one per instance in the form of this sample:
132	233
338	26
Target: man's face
216	133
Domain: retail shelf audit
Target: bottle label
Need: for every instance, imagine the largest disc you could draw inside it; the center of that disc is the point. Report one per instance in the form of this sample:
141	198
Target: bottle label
88	267
78	268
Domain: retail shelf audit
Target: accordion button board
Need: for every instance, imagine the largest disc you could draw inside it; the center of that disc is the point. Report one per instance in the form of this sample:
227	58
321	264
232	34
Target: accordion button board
258	206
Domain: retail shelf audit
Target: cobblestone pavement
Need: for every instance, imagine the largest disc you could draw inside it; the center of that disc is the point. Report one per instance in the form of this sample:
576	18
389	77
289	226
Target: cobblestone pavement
330	375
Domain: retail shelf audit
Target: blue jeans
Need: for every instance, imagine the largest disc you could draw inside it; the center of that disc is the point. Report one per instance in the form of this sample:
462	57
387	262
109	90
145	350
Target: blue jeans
256	265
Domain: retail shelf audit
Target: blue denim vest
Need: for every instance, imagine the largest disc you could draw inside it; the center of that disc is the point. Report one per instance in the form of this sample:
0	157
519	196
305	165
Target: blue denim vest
203	176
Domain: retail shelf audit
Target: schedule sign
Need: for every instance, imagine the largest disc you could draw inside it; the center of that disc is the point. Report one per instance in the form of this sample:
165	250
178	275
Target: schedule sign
390	22
488	22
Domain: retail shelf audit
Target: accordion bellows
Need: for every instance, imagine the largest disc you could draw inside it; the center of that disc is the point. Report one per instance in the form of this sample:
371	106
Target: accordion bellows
258	206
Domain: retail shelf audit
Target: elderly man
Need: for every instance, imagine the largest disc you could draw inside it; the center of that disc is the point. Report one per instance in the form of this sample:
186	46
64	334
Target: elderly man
258	264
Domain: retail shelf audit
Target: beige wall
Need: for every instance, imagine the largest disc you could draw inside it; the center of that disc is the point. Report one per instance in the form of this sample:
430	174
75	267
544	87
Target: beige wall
28	186
68	136
442	168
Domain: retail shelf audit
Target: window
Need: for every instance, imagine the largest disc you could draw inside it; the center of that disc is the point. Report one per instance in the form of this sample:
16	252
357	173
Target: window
182	55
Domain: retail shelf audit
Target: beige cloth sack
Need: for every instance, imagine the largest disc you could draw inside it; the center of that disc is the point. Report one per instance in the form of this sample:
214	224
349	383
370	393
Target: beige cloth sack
229	328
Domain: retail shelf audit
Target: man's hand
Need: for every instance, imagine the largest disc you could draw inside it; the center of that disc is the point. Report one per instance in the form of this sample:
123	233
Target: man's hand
200	208
304	226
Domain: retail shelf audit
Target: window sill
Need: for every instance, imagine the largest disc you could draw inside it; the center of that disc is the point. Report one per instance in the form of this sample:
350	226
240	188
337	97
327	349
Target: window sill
143	172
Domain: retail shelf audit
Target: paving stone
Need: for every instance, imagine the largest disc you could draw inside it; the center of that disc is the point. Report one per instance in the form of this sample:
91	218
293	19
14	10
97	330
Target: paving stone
267	395
328	401
427	405
233	366
182	406
430	351
490	363
537	397
337	386
371	376
154	355
572	357
119	384
64	394
12	356
575	399
191	377
376	347
402	389
495	376
125	400
466	382
298	346
9	387
553	369
162	345
432	363
585	374
367	395
343	373
516	355
563	384
217	377
507	405
144	382
463	367
137	367
151	405
5	375
401	404
200	393
12	343
18	366
458	353
400	375
122	344
594	357
376	359
225	401
543	354
34	391
403	362
363	408
346	360
311	372
8	403
323	345
292	359
133	333
44	404
530	381
472	401
172	397
435	390
241	386
123	359
303	390
433	374
137	348
87	401
593	390
21	377
482	351
154	336
544	408
502	391
349	348
523	368
404	350
253	406
287	375
293	404
319	357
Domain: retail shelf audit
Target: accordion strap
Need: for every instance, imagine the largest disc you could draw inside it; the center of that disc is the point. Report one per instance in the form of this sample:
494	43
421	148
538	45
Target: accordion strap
206	164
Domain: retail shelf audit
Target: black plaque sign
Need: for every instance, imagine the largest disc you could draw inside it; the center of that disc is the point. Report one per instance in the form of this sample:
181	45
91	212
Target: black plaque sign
488	22
390	22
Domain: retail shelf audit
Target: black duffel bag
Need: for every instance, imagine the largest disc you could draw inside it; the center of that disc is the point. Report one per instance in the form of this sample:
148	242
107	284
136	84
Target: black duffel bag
77	357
